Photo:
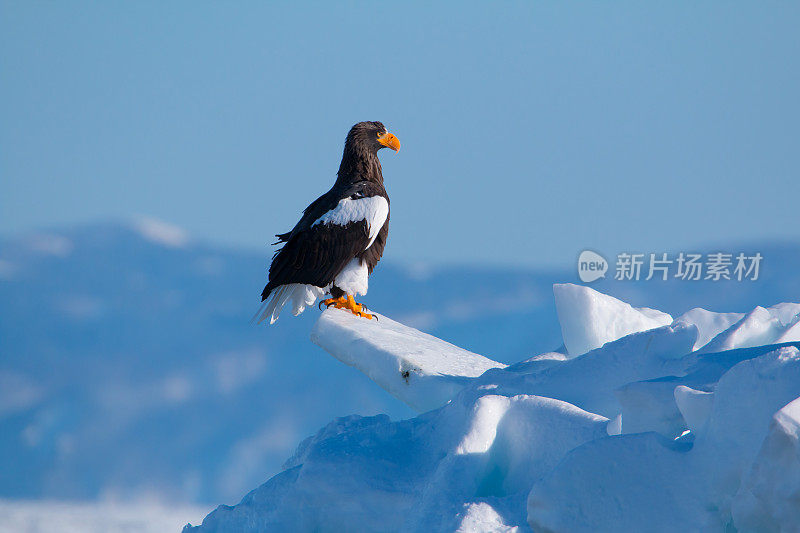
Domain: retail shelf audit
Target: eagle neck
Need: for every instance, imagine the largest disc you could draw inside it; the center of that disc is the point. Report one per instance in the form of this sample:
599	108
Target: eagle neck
359	165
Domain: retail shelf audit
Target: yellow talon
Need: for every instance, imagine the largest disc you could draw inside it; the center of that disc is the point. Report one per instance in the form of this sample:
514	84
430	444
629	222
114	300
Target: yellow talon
352	305
347	303
338	303
356	309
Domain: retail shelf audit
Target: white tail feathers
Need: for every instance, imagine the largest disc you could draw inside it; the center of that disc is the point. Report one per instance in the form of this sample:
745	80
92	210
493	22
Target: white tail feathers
299	294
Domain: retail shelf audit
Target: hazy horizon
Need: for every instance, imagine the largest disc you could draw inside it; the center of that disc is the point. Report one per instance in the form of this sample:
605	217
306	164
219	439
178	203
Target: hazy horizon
146	224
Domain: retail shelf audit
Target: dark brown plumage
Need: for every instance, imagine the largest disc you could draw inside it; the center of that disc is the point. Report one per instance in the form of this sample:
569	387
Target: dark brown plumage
337	227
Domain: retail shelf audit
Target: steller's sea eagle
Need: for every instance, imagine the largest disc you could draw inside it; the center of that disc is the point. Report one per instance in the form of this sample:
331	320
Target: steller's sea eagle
341	236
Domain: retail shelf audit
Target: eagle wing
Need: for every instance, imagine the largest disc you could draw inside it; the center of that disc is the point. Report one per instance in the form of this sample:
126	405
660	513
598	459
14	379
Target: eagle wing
333	230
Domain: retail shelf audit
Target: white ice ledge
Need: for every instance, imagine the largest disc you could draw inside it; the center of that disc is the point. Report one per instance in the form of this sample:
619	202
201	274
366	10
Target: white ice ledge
419	369
702	439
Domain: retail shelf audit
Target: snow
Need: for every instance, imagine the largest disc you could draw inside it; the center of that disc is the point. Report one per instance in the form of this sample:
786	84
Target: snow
642	431
590	319
768	495
759	327
792	333
708	323
465	466
43	516
695	406
482	517
636	481
161	232
418	369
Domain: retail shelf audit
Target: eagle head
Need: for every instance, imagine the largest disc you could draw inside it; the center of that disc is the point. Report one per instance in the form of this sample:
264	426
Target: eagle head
370	137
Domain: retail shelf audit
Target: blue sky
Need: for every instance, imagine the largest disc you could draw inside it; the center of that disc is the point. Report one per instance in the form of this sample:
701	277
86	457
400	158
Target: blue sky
530	131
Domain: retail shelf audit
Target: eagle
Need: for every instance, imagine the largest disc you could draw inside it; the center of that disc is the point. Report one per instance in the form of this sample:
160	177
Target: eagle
340	238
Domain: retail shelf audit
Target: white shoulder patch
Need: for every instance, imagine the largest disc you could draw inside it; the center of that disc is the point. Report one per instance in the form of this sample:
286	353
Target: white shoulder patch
373	209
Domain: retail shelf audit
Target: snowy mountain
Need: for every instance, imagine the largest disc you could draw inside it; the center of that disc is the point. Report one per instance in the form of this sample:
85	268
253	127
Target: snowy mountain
129	368
691	425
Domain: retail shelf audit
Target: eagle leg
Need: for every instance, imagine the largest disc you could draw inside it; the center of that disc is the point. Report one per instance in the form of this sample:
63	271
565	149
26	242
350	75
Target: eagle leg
347	303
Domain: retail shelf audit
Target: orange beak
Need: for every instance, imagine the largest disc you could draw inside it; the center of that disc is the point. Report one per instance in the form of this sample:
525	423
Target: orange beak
389	141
